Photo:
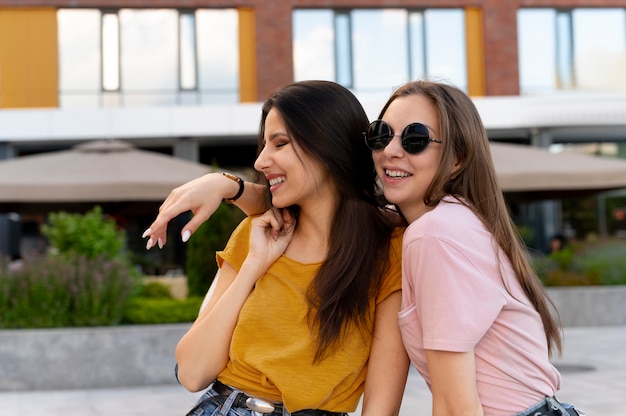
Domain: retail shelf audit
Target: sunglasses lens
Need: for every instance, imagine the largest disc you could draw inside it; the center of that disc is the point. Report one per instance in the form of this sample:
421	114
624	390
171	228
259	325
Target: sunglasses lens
415	138
378	135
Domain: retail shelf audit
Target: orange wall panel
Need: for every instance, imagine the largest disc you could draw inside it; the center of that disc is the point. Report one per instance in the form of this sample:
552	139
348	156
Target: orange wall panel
28	58
247	56
475	47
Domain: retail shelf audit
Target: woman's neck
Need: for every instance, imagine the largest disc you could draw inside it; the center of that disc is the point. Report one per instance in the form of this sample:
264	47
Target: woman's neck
311	237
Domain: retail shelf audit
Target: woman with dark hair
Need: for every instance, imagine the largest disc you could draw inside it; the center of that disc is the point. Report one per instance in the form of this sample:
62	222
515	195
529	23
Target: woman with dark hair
303	317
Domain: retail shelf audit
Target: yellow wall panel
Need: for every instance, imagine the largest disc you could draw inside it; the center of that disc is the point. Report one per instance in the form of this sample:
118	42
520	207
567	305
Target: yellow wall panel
28	58
475	47
247	56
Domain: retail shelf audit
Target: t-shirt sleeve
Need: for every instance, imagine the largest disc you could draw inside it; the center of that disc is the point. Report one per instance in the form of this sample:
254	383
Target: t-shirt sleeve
392	281
237	247
456	301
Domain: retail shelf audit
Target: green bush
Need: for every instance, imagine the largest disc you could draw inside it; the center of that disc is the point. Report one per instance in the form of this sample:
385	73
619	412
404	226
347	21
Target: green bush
607	261
212	236
598	263
90	234
65	291
154	290
142	310
85	280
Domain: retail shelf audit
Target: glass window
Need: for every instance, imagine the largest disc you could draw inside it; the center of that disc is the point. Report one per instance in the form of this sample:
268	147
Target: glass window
445	46
536	49
110	52
147	57
600	48
572	49
417	44
313	45
149	53
566	77
343	49
218	57
79	43
187	48
380	49
79	57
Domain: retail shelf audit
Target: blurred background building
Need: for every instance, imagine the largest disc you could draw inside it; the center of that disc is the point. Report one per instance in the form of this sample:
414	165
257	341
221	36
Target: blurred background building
186	77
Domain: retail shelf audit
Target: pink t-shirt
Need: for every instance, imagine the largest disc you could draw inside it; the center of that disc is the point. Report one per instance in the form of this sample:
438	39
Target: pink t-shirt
453	299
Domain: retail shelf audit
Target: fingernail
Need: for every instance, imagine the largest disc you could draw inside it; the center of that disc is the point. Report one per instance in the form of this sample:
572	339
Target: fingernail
149	244
145	233
186	236
160	243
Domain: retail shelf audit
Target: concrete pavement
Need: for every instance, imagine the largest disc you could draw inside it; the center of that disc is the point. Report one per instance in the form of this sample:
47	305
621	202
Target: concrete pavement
593	367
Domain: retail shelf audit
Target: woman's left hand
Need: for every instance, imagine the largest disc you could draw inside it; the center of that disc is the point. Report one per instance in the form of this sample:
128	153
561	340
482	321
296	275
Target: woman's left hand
271	234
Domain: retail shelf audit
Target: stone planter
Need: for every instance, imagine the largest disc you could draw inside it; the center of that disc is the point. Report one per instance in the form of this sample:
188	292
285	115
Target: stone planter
83	358
139	355
590	305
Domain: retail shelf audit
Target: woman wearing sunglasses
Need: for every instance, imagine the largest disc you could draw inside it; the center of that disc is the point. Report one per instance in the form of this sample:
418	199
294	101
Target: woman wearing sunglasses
475	319
303	317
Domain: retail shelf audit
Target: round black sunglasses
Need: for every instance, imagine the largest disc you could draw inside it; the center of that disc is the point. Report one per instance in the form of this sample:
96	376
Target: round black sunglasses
414	137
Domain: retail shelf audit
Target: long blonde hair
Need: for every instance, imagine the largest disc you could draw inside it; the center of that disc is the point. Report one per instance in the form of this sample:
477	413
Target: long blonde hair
465	142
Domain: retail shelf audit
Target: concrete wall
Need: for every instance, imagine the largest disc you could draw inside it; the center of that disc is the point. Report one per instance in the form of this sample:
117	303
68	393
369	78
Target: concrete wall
590	305
139	355
75	358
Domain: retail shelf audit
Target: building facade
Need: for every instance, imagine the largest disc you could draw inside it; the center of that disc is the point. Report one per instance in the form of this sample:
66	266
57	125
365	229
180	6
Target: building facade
185	77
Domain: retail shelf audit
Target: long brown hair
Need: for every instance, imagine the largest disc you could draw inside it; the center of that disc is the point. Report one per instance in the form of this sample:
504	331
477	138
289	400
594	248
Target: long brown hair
326	120
465	142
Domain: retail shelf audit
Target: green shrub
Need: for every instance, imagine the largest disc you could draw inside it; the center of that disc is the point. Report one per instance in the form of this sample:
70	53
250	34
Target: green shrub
90	234
212	236
141	310
598	263
65	291
607	261
154	290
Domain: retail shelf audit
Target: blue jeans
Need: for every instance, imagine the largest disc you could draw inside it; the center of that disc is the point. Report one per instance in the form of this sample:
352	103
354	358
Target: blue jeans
549	406
213	404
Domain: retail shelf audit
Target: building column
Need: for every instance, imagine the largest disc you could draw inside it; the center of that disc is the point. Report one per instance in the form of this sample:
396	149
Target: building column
187	148
6	151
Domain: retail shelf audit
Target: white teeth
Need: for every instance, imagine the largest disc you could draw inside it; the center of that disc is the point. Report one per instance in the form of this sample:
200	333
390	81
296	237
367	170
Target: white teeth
396	173
276	181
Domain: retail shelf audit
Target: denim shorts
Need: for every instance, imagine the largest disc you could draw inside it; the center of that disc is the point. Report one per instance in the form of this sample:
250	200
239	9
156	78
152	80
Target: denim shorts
550	406
211	403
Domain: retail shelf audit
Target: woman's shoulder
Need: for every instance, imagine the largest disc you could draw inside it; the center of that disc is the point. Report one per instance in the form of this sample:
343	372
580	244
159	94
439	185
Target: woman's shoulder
451	216
241	233
395	244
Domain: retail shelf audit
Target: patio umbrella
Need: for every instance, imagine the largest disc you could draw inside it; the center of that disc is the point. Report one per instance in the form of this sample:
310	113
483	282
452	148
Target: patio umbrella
539	173
109	170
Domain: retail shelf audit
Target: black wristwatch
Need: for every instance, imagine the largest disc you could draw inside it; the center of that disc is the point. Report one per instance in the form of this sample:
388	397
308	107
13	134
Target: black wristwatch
239	192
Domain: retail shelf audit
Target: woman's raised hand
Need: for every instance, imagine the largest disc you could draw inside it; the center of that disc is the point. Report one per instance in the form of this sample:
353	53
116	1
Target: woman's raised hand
202	196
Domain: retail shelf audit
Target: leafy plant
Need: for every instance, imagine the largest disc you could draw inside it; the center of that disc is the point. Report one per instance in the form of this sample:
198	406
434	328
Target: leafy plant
65	291
141	310
597	263
209	238
90	235
154	290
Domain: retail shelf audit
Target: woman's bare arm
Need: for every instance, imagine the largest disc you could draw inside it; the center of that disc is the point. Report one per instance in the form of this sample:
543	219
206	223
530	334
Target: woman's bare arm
388	363
202	196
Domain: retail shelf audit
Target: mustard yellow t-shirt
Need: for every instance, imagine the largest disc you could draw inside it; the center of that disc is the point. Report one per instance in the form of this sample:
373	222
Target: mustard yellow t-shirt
272	349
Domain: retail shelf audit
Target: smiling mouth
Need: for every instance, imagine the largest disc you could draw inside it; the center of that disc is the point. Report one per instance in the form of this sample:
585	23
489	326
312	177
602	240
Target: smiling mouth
276	181
396	174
